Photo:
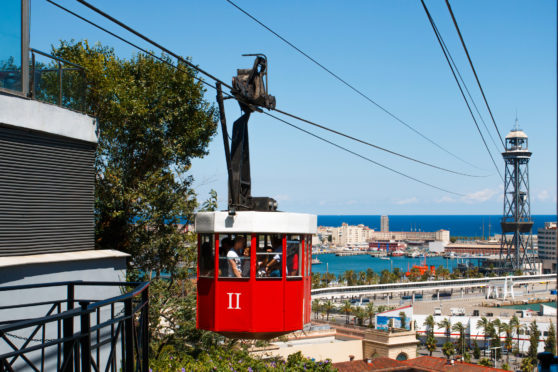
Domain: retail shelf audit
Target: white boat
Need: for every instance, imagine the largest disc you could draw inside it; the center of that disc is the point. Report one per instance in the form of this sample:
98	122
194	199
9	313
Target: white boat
384	258
316	261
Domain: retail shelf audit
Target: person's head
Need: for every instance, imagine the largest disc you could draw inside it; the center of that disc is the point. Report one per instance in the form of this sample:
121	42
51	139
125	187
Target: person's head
226	244
276	241
246	251
239	243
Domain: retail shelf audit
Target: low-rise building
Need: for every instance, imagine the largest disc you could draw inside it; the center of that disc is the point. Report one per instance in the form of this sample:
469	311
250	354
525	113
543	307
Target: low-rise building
547	247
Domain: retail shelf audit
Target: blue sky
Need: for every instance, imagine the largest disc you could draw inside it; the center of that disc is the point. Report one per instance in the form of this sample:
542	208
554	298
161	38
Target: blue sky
387	50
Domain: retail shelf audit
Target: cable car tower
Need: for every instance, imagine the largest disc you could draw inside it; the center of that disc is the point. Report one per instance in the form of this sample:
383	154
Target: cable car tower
516	247
254	262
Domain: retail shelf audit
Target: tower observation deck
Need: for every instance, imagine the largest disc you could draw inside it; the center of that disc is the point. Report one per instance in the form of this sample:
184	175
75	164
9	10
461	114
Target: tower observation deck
516	248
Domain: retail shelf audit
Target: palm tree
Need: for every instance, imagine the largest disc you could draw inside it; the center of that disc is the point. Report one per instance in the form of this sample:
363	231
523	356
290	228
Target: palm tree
316	306
370	312
507	328
429	324
459	327
328	306
346	308
446	324
361	277
359	313
370	276
515	326
485	325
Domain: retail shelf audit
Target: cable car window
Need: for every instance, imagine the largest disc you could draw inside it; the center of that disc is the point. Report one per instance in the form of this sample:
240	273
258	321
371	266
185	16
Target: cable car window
207	255
234	256
269	256
294	255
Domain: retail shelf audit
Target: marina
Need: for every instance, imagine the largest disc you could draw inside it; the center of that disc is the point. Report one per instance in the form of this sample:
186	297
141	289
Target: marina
339	264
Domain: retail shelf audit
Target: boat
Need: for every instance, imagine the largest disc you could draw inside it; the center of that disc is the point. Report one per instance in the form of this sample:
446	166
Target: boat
384	258
396	253
316	261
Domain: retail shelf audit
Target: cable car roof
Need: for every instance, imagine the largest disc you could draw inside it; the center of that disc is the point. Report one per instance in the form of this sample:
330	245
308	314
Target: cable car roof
256	222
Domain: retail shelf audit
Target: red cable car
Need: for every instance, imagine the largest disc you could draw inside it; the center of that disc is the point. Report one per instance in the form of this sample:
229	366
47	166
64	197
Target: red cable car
254	263
246	287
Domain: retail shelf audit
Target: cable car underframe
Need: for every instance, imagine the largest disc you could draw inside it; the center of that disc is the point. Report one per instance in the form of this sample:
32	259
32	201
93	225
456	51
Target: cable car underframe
272	295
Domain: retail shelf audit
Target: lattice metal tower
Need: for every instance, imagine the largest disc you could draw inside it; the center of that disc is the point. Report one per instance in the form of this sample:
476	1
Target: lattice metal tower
516	247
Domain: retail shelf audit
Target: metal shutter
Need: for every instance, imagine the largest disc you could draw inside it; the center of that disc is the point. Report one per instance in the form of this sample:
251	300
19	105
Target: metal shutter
47	186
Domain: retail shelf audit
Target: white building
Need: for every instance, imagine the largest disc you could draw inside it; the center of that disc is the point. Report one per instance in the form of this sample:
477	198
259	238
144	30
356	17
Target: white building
348	235
547	247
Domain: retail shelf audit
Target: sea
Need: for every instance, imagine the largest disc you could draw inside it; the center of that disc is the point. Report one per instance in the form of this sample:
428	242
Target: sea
458	225
470	226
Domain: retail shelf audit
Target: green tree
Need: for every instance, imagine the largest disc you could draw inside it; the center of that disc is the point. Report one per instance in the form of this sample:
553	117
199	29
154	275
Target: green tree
448	349
371	276
508	342
370	311
317	307
327	307
485	362
385	277
359	314
346	308
550	342
211	203
528	364
460	328
431	343
152	121
446	325
403	319
476	350
516	326
484	323
429	324
534	337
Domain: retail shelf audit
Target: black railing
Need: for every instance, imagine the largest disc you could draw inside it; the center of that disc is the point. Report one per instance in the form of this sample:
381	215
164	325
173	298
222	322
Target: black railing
75	334
59	81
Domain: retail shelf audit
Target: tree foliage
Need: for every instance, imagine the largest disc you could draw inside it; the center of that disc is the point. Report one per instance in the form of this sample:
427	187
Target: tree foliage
550	342
152	121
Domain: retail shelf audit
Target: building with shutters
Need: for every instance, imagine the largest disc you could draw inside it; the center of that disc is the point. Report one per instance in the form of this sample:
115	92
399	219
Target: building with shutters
54	285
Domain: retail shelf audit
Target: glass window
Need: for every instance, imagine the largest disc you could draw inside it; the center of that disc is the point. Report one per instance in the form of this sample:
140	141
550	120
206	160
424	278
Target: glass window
294	255
269	256
207	255
10	40
234	256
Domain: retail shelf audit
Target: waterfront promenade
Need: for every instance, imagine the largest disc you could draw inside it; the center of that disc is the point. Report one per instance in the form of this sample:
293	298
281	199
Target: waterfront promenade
430	286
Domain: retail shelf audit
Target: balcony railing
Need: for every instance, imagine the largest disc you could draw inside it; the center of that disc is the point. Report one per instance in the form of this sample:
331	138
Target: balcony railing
75	334
55	80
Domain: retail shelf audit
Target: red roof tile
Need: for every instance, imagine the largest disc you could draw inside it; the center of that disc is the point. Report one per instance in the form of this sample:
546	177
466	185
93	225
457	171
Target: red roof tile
420	364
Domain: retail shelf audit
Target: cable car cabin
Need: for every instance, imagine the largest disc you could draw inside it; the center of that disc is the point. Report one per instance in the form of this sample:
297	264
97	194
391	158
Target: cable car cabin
254	272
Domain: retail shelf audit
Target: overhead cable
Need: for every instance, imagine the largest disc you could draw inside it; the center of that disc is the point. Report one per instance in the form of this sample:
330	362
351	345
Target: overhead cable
372	145
220	81
468	92
474	71
359	92
438	36
362	156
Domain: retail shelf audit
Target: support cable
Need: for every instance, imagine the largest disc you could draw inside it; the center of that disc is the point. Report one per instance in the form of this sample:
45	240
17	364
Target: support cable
360	93
372	145
438	36
362	156
474	71
285	113
220	81
468	92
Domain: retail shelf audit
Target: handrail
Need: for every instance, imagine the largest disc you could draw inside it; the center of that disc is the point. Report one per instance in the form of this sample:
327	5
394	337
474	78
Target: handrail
55	58
70	347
